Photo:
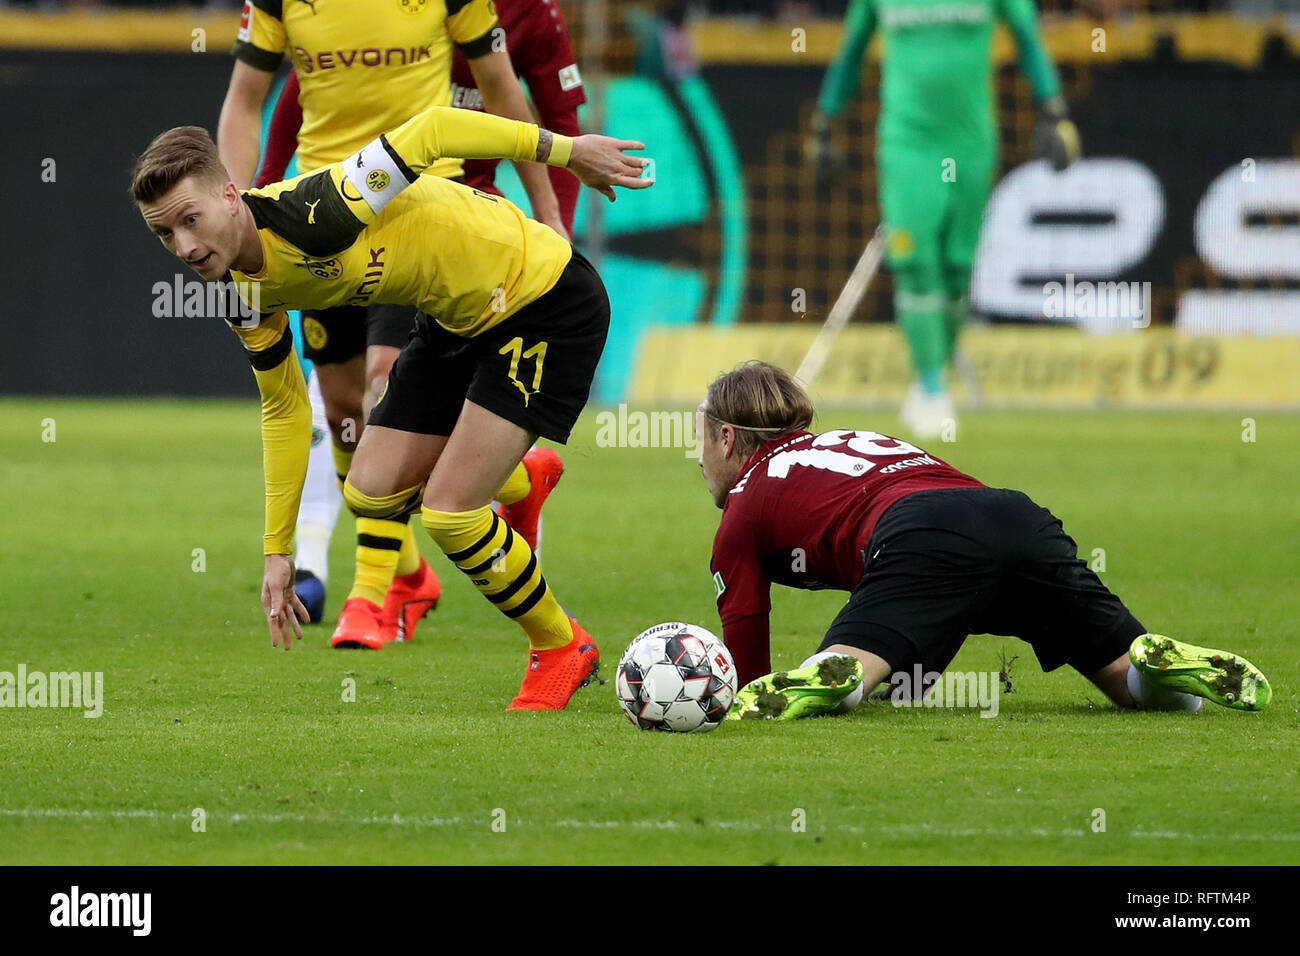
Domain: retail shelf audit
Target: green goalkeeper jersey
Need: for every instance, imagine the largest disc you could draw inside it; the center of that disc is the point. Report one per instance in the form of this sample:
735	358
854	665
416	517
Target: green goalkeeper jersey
937	82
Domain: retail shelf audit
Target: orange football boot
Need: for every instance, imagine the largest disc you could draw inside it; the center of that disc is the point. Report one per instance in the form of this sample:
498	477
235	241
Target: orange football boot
360	625
409	598
554	676
544	467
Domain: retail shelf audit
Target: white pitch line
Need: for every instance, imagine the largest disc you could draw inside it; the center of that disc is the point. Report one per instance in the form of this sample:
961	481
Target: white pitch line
401	820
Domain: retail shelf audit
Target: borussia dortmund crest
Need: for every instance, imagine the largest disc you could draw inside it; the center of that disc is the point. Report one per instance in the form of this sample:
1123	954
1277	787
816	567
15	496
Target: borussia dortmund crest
412	6
901	243
325	268
314	332
377	180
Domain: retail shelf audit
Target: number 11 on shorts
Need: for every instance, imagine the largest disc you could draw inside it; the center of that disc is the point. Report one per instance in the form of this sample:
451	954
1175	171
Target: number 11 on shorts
515	349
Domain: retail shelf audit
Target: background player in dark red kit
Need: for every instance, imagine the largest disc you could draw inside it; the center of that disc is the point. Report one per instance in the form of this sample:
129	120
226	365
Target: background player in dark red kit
542	57
930	555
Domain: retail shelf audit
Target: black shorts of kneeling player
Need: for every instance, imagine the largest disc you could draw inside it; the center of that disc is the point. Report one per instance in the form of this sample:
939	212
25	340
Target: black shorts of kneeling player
534	369
945	564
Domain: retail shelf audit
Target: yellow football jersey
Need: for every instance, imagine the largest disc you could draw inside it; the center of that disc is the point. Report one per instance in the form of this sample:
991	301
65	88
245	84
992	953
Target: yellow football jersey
372	230
364	66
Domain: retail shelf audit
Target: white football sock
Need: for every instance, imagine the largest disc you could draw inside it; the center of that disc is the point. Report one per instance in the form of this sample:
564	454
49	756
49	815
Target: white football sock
313	550
321	499
1151	696
855	698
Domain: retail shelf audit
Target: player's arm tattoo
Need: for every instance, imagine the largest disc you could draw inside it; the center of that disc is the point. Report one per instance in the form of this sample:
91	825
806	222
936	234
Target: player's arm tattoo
544	141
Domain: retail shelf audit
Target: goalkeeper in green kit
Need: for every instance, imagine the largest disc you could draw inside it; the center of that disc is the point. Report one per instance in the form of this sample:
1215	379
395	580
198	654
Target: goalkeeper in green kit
936	152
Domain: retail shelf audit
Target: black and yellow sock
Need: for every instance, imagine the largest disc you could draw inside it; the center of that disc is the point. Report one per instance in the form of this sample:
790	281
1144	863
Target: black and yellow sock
503	567
342	463
382	531
379	544
408	559
516	487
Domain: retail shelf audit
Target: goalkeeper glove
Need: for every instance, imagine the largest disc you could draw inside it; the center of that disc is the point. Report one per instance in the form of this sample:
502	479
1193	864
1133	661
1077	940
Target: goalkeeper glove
1056	137
820	152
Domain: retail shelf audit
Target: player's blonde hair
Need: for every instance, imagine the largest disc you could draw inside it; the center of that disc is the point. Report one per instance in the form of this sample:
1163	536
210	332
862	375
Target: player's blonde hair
760	401
173	155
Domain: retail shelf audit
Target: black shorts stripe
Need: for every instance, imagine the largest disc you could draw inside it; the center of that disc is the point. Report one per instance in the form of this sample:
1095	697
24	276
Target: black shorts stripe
529	602
457	556
517	584
268	358
480	47
378	543
504	549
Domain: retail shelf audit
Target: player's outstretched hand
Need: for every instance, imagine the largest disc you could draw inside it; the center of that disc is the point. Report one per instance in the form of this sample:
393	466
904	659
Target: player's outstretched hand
601	163
283	607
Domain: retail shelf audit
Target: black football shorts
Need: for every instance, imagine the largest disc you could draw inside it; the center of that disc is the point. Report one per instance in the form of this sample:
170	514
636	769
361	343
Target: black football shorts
948	563
331	336
534	369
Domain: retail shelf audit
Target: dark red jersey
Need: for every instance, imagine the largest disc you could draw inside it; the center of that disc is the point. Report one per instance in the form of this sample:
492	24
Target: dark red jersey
801	514
538	42
281	134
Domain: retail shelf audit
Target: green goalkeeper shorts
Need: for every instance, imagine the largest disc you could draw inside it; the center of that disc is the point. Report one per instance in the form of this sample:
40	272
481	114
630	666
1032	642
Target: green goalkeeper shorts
932	198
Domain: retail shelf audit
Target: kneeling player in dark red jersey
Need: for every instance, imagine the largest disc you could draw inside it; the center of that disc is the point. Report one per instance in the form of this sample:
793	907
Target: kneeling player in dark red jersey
930	556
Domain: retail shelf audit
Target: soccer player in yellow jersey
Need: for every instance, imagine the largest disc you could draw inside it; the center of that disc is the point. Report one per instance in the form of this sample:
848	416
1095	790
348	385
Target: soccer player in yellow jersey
363	68
511	326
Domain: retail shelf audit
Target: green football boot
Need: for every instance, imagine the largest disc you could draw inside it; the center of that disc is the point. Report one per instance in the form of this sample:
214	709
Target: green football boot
804	692
1221	676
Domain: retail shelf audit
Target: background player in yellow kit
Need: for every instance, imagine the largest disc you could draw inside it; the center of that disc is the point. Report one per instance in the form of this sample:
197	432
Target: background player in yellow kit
520	325
364	68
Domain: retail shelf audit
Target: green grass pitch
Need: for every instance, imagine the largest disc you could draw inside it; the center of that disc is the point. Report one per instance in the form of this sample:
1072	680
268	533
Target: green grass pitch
100	531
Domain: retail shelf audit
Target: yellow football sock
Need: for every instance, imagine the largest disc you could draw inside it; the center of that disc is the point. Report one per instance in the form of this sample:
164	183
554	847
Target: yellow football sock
378	544
502	566
517	486
342	463
382	527
408	559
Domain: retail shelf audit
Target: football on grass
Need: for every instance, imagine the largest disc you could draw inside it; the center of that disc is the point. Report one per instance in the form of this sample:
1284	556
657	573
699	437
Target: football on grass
676	677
